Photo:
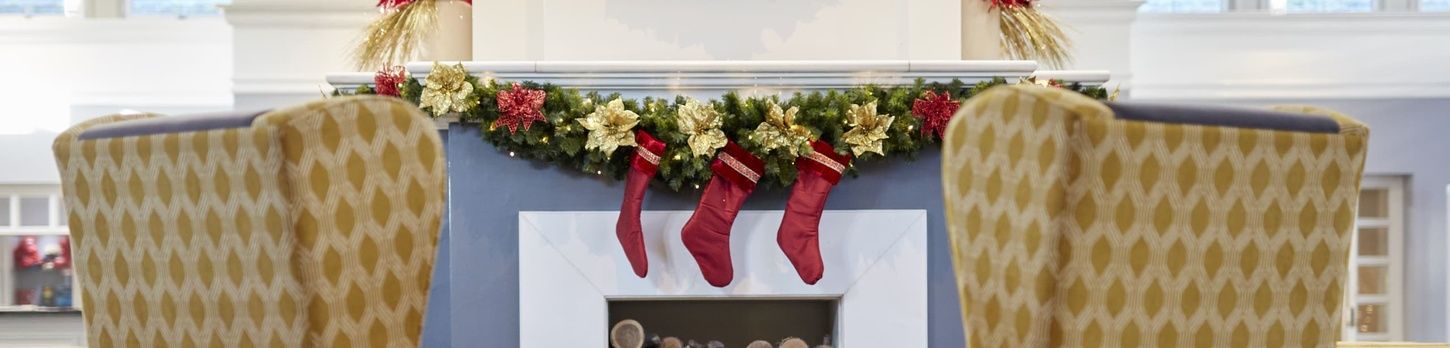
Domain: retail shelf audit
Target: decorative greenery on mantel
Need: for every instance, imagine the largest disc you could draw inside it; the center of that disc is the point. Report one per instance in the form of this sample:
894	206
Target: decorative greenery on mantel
914	115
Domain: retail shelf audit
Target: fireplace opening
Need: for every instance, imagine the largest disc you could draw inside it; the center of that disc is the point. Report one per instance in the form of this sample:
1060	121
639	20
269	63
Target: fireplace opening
734	322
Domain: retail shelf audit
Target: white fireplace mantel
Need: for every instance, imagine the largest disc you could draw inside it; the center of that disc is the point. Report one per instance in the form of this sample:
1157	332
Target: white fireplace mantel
710	79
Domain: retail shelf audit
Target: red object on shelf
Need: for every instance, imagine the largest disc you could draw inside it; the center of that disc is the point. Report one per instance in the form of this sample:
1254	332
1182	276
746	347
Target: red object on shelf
27	253
63	261
24	297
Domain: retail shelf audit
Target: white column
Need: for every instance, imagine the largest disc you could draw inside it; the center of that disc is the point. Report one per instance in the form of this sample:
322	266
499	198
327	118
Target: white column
1101	34
282	49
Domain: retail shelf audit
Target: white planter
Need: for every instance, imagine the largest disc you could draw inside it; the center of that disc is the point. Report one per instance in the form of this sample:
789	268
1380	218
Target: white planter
453	40
981	31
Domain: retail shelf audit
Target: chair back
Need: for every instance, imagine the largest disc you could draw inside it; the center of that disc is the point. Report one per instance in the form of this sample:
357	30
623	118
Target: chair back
312	226
1080	223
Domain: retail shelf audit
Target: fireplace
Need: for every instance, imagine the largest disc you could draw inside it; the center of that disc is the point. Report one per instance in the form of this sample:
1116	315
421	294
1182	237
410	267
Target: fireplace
734	322
574	281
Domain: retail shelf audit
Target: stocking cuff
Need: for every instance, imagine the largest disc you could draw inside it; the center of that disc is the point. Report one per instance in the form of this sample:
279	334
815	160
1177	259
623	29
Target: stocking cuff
824	161
647	154
738	165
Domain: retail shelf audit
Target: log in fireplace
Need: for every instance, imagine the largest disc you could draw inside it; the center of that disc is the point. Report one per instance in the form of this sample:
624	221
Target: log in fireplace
733	322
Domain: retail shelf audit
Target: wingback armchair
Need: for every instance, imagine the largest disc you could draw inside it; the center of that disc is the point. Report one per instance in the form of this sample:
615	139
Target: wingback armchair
1080	223
314	225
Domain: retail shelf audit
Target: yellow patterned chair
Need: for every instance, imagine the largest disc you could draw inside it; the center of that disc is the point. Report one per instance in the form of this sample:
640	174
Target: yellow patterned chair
1083	224
310	226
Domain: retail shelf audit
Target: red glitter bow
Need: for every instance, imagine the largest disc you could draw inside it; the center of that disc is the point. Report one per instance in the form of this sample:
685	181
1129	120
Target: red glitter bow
388	81
935	110
519	106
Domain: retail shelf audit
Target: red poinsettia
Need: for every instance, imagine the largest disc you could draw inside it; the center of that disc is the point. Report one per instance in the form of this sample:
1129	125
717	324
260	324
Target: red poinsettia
388	81
935	110
519	106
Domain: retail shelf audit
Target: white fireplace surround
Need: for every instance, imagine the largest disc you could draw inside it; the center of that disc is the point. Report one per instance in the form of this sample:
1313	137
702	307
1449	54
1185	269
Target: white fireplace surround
571	265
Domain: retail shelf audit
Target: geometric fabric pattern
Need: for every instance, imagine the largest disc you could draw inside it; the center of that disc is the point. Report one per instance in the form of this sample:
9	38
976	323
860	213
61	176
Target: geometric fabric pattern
1069	227
315	226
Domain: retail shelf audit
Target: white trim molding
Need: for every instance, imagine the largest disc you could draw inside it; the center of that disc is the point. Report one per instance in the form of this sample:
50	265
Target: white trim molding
571	265
710	79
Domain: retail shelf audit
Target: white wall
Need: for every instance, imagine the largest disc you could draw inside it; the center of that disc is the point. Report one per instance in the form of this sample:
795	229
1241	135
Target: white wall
1388	70
61	70
282	49
711	29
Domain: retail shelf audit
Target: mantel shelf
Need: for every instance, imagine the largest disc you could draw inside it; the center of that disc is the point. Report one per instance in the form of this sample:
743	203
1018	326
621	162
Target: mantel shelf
711	78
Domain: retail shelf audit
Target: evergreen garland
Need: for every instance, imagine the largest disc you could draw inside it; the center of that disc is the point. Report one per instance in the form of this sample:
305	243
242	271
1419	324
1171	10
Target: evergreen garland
561	140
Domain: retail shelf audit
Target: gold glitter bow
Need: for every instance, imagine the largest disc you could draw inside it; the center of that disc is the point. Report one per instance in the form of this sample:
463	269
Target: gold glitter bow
780	131
610	127
448	90
868	129
702	123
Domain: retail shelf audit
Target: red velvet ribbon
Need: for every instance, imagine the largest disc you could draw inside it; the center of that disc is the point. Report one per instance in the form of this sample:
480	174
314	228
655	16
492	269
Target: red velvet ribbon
653	146
814	165
724	169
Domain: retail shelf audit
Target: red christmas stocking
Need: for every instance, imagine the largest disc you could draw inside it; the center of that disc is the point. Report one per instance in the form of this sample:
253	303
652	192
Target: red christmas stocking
707	234
642	169
817	173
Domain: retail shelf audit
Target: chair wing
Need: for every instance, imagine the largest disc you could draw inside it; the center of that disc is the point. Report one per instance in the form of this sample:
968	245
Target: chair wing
1074	222
314	225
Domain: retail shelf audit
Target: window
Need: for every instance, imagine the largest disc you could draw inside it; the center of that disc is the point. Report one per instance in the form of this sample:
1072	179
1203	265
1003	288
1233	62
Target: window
1182	6
1322	5
32	7
1374	301
1434	5
175	7
1293	6
35	270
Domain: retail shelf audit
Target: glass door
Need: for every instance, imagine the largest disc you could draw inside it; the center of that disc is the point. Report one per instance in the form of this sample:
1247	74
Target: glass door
1375	298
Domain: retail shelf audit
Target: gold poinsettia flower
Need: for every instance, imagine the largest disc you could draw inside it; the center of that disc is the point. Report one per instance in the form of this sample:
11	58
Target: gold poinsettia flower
610	126
779	131
447	90
868	129
702	123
